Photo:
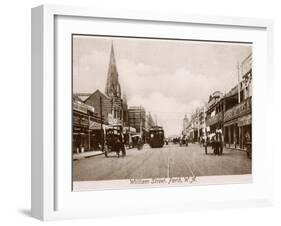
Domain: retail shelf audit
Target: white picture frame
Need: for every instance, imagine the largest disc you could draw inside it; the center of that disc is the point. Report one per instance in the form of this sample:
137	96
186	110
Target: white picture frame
52	199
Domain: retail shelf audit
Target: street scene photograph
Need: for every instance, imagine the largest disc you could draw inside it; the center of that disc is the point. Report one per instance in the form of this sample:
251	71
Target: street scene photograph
158	112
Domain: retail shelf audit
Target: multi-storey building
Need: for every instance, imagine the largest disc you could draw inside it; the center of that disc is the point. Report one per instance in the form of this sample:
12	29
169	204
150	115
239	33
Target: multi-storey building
193	126
202	121
137	118
189	130
149	121
238	107
86	126
214	112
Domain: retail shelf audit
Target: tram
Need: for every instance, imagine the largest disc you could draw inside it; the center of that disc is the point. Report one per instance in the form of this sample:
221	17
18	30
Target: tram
156	137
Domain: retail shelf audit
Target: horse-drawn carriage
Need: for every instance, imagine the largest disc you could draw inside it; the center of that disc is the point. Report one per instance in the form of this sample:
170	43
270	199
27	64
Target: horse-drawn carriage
114	141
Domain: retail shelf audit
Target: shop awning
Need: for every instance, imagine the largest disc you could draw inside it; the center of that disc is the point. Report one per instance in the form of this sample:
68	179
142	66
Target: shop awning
245	120
232	122
127	129
97	126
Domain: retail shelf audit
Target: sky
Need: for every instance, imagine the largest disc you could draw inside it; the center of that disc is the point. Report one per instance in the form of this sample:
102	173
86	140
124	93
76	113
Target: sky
169	78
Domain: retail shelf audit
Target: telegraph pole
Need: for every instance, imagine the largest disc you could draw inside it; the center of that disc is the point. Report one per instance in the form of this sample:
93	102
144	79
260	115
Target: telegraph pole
238	70
198	125
140	122
101	129
89	133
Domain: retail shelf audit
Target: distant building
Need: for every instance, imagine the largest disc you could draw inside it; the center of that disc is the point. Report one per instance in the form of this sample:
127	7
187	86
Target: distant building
149	121
137	118
202	121
189	130
125	114
184	125
98	100
214	112
82	96
195	124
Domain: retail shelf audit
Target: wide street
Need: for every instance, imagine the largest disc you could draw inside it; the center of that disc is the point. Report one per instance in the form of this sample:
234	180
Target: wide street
169	161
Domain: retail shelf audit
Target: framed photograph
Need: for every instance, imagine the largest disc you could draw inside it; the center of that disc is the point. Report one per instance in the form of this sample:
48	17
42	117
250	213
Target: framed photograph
137	112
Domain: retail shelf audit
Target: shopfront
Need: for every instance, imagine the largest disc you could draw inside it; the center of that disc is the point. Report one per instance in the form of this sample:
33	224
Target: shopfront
232	133
80	132
245	125
237	122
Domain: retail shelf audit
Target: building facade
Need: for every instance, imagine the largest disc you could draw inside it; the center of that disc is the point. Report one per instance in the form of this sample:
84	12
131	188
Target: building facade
202	122
185	125
137	118
149	121
214	112
125	115
238	107
101	103
86	127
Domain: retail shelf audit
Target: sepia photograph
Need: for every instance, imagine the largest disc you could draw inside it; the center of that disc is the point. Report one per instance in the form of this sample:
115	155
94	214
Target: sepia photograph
156	112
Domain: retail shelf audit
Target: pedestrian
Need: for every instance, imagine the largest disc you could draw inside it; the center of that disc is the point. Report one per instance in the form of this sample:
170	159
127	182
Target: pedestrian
206	141
122	144
216	144
248	144
219	144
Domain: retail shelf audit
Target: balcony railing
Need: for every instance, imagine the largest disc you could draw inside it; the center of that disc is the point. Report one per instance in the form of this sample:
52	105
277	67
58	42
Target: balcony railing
80	107
214	119
83	119
243	108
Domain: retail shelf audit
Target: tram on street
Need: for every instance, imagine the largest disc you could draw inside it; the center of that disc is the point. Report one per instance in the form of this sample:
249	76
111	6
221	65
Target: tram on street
156	137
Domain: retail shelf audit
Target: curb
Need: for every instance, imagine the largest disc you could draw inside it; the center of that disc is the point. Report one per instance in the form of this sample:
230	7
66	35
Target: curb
89	156
237	149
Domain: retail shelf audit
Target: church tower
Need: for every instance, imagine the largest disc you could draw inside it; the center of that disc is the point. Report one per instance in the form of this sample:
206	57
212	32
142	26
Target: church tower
113	89
185	124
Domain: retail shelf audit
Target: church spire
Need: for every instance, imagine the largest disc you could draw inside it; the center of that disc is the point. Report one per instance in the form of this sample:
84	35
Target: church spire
112	88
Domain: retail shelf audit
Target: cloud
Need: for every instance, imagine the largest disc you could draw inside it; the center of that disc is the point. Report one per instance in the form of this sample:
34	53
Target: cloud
185	86
90	71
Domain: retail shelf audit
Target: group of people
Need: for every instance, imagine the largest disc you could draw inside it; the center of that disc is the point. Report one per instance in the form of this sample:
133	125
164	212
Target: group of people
216	142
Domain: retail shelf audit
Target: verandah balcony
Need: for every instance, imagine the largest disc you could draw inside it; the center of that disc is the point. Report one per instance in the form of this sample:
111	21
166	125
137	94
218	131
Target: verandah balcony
243	108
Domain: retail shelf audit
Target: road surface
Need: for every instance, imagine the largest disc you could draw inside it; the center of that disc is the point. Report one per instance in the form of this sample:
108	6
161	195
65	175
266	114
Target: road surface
169	161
